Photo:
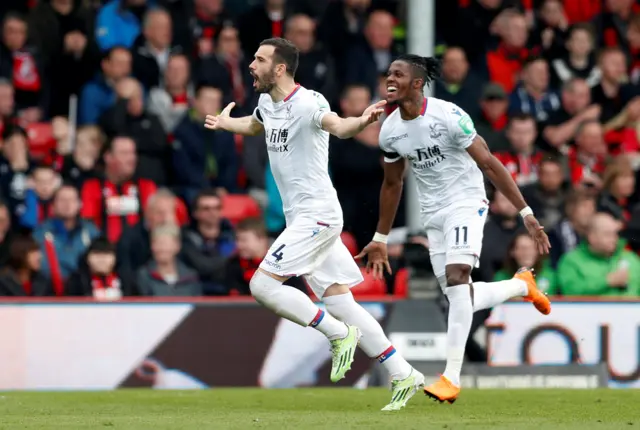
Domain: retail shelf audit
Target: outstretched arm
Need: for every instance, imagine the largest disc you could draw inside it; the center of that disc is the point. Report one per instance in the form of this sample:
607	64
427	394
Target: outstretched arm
345	128
503	181
247	125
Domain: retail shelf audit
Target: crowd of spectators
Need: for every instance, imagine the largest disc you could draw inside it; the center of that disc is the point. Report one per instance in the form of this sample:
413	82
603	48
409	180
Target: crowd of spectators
111	186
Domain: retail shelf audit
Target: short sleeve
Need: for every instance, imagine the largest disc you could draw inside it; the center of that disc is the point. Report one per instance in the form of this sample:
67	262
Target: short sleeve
320	109
389	154
462	131
257	115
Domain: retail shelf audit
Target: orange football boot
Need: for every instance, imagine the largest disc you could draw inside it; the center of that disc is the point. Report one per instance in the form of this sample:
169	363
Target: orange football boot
535	296
442	390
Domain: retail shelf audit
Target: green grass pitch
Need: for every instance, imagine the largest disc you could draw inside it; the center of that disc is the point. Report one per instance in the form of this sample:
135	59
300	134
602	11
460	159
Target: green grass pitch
318	408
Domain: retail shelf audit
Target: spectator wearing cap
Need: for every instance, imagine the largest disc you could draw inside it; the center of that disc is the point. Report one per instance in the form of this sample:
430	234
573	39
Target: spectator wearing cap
63	32
560	129
165	275
457	84
579	60
533	95
492	121
99	94
64	237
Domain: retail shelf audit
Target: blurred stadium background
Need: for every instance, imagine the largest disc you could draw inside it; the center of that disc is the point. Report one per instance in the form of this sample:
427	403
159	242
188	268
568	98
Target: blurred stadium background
101	111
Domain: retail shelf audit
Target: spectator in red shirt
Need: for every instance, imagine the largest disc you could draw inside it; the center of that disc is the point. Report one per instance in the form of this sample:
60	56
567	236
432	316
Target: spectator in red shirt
587	158
21	276
523	159
119	198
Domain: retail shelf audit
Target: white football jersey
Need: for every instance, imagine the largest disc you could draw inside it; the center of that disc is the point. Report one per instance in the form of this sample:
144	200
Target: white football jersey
435	144
298	150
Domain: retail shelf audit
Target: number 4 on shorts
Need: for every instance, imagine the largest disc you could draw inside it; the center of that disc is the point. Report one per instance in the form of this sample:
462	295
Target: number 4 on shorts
277	254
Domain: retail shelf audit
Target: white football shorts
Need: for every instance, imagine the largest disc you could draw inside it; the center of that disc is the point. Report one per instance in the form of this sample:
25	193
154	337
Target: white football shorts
455	234
313	249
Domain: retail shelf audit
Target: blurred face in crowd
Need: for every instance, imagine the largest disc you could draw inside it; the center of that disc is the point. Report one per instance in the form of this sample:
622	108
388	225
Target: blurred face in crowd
6	100
623	185
514	31
101	262
580	43
157	29
576	96
581	213
454	66
550	176
524	251
494	108
552	13
122	157
118	65
15	147
379	30
164	248
87	148
176	77
355	101
209	7
619	6
502	206
229	43
490	4
360	5
135	104
536	75
603	234
5	222
522	134
34	260
67	203
209	100
208	210
614	66
14	34
250	244
301	31
45	182
161	210
590	139
275	4
633	34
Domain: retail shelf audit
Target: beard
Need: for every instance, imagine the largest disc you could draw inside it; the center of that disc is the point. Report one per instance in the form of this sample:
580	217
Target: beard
266	83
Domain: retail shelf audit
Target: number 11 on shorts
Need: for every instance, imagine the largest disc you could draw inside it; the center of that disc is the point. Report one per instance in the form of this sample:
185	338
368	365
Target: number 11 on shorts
464	235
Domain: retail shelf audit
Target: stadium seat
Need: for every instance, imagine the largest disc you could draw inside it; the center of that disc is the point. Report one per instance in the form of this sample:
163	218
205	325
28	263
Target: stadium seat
401	284
236	207
369	286
350	242
41	141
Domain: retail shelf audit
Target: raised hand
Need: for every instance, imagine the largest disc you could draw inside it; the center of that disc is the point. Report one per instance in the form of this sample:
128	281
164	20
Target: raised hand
537	233
377	258
373	112
218	122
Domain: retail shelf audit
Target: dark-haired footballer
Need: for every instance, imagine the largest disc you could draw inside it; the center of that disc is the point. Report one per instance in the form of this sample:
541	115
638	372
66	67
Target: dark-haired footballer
297	123
447	158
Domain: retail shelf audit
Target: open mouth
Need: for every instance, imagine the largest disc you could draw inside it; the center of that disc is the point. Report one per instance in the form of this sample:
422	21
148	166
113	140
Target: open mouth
391	89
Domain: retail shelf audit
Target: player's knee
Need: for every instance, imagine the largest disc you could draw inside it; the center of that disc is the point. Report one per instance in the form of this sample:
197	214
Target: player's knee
261	285
458	274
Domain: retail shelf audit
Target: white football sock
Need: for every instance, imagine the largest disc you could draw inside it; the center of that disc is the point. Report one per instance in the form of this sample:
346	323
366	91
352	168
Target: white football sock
294	305
373	342
489	294
459	325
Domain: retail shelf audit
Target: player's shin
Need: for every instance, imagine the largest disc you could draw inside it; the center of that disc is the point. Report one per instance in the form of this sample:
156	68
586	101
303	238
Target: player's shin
489	294
374	342
459	325
294	305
